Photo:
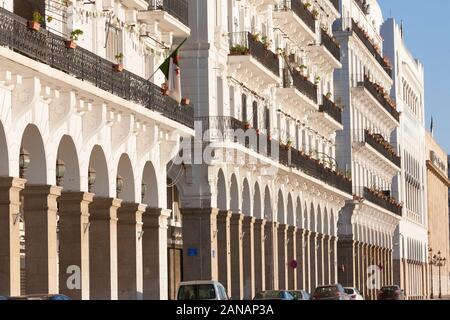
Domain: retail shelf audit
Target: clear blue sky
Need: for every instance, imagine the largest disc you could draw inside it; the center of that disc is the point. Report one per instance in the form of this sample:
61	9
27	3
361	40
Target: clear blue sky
427	33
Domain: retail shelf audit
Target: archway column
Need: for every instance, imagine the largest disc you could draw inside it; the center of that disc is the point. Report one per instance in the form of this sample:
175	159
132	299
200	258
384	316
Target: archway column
291	255
74	244
313	260
300	257
41	252
282	257
237	268
10	189
154	253
334	259
248	257
224	249
103	248
271	255
129	251
260	262
320	260
199	247
326	260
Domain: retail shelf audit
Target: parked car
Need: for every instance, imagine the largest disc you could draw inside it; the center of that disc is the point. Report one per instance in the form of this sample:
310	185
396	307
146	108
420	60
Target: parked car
274	295
2	298
201	290
301	295
391	293
354	293
41	297
330	292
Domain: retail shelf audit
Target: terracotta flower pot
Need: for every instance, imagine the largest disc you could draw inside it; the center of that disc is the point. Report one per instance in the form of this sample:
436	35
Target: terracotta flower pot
70	44
33	25
118	67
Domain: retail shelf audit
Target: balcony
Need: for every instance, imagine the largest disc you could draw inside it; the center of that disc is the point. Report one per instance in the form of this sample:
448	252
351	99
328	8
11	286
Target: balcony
326	54
362	35
293	17
383	200
382	146
252	61
225	128
298	94
46	47
331	45
172	16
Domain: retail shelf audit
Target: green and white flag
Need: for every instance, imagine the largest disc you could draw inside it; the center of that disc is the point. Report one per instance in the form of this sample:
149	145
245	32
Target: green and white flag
171	70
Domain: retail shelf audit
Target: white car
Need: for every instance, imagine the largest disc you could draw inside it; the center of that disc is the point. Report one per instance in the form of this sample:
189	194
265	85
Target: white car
201	290
353	293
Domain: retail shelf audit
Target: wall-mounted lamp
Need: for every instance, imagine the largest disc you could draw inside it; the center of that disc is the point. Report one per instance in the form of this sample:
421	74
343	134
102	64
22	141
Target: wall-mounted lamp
119	185
91	178
143	192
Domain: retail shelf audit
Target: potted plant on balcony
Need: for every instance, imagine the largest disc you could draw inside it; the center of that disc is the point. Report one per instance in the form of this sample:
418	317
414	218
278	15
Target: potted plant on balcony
185	101
118	67
307	5
315	14
265	41
288	144
164	89
328	95
36	20
239	50
71	44
247	125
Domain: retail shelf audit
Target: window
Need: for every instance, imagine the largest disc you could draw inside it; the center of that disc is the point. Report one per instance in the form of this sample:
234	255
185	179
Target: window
244	108
255	114
113	42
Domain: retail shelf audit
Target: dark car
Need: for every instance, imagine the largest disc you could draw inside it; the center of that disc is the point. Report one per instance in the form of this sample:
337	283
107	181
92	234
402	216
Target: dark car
301	295
331	292
274	295
391	293
2	298
41	297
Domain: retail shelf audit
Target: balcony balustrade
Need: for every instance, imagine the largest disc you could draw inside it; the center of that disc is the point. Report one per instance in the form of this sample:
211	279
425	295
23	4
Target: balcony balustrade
245	43
300	9
381	199
331	45
382	146
177	8
301	83
48	48
380	96
225	128
330	108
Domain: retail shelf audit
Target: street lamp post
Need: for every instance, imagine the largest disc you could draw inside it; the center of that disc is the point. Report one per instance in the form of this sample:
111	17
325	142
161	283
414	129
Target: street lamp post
431	272
438	261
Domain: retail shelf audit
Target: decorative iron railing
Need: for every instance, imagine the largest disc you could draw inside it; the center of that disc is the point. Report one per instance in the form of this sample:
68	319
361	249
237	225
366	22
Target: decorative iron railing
383	201
245	43
331	45
382	146
301	83
226	128
330	108
380	97
48	48
177	8
299	8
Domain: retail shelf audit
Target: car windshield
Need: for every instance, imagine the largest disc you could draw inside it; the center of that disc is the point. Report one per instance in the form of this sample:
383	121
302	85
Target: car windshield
270	295
389	289
348	291
197	292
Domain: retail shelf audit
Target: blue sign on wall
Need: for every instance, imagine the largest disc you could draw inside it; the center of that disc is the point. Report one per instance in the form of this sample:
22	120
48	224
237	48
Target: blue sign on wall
192	252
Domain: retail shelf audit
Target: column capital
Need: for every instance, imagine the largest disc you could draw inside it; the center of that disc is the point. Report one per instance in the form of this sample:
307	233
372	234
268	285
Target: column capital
12	182
236	218
76	196
156	217
260	222
224	215
38	190
249	220
199	212
292	229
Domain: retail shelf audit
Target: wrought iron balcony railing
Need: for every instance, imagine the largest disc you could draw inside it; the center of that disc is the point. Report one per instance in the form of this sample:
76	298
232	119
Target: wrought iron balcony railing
301	83
245	43
361	34
230	129
383	200
330	108
335	4
379	95
48	48
331	45
177	8
382	146
299	8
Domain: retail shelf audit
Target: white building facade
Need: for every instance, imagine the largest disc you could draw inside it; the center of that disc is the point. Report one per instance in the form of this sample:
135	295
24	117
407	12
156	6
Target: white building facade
266	205
84	147
368	221
411	239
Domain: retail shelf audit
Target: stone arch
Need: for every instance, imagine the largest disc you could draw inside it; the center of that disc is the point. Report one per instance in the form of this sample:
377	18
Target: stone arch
125	170
332	223
150	181
98	163
234	194
281	214
268	210
33	143
67	152
222	203
290	211
298	214
4	158
257	210
246	199
326	222
306	219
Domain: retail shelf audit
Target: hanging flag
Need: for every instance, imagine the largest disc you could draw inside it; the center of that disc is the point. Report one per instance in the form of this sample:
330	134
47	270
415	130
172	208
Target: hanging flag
171	70
432	125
